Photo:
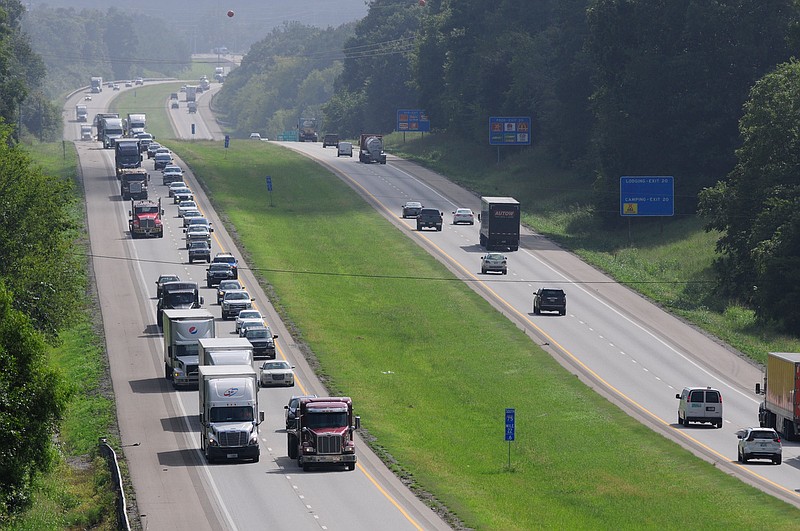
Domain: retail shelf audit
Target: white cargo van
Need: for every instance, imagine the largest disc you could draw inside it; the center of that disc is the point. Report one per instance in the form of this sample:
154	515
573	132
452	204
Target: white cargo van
700	404
344	149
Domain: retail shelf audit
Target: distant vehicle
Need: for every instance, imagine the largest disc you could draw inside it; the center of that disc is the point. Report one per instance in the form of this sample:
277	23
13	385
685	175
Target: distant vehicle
199	221
197	233
411	209
429	218
228	258
307	130
277	372
755	443
81	113
699	404
247	314
263	341
115	86
162	279
217	272
86	132
144	141
87	98
290	410
500	220
199	251
235	301
255	136
182	194
494	262
174	105
97	85
331	139
463	215
227	285
249	323
550	300
152	147
186	206
172	174
175	185
129	83
371	149
139	81
192	107
173	96
344	149
161	160
189	214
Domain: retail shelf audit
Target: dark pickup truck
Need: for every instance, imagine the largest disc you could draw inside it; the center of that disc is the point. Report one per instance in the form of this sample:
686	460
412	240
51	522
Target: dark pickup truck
429	218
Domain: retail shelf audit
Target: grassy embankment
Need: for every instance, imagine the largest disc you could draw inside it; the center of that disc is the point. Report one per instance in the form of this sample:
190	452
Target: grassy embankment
75	494
432	367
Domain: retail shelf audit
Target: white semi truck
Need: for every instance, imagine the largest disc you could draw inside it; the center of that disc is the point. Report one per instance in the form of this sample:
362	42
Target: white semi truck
229	415
225	351
135	124
182	331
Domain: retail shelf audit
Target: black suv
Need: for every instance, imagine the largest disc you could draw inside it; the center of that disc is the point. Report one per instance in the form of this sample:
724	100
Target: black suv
218	272
429	218
263	341
550	300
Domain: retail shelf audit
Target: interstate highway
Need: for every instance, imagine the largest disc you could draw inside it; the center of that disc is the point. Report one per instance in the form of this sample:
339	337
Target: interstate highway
174	487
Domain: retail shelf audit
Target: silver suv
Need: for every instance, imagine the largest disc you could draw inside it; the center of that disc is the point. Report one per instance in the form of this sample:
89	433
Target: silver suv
235	301
759	443
700	404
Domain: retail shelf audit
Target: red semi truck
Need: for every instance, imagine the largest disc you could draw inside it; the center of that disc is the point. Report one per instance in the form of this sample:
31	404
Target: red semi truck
324	432
145	219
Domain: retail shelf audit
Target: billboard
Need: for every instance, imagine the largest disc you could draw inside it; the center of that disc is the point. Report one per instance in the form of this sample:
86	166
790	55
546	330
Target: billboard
509	130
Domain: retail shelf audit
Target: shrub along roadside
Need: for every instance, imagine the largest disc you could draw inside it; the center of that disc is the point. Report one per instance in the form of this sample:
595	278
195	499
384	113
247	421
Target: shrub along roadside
432	366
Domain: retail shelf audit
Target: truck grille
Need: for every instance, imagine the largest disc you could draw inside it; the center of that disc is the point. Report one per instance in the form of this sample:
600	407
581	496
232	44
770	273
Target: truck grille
233	438
147	223
329	444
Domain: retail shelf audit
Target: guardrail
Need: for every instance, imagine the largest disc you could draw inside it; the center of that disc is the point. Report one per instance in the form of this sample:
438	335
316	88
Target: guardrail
116	480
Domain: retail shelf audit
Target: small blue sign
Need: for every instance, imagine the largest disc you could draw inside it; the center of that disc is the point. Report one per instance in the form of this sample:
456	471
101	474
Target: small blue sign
192	128
227	140
510	421
509	130
413	121
269	183
646	196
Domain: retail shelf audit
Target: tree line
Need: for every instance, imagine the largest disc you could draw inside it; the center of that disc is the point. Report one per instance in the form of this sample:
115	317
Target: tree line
614	88
42	280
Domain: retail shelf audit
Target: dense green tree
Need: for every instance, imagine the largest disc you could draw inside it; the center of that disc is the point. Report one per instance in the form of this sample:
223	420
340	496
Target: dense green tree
757	207
32	400
39	265
671	78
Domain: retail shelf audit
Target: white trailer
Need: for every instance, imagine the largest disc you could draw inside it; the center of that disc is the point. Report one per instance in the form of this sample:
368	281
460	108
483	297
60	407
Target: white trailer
225	351
229	415
182	331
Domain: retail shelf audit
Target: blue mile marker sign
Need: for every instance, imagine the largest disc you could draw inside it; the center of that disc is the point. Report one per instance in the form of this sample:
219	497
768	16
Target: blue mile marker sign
227	140
510	421
269	183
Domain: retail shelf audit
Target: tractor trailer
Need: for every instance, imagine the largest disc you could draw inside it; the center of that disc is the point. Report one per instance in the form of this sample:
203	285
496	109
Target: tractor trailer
182	331
781	406
229	415
324	433
225	351
500	219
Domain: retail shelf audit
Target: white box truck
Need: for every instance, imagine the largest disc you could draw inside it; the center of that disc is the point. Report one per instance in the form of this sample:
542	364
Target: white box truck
182	331
229	415
225	351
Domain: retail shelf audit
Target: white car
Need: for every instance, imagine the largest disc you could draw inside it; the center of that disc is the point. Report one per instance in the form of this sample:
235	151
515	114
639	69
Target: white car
197	232
463	215
175	185
255	136
171	174
249	323
344	149
277	372
234	301
248	314
759	443
186	206
494	262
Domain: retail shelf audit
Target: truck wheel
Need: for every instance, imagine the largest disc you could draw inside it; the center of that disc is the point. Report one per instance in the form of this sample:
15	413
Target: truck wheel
167	372
256	458
305	467
190	260
777	460
738	452
291	450
352	466
680	423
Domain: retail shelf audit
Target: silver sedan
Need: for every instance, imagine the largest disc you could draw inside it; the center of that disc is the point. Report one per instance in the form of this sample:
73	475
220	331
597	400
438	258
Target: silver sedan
277	372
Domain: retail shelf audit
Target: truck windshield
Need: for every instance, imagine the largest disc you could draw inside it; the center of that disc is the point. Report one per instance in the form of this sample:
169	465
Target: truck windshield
147	210
176	298
333	419
187	350
231	414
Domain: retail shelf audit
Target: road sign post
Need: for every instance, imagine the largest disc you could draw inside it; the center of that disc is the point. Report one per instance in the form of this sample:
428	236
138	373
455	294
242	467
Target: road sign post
510	429
227	144
269	189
